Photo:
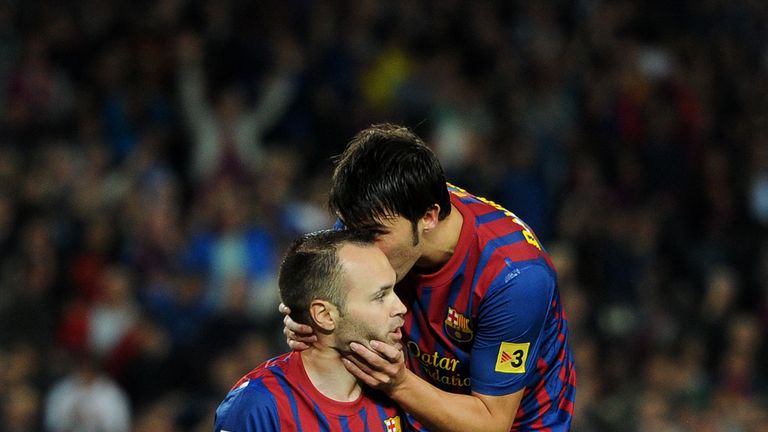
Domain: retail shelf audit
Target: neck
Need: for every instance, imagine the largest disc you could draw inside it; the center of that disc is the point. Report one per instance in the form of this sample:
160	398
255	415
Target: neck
440	243
328	374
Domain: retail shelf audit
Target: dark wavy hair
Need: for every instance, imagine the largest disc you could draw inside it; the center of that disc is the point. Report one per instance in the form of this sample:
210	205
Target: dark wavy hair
387	171
311	270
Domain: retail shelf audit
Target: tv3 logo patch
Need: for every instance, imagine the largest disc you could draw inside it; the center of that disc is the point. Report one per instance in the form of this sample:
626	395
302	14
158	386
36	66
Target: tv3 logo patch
512	357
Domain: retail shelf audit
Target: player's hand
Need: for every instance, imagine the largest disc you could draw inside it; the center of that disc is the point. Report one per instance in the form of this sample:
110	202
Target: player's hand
382	367
298	336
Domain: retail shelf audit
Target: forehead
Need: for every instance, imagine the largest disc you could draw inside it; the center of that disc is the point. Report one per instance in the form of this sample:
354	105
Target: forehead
365	266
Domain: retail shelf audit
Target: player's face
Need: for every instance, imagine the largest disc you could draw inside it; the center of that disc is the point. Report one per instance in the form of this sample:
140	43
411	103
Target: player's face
373	310
401	243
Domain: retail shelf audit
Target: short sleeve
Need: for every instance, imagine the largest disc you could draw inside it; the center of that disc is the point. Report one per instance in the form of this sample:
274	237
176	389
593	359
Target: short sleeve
509	329
249	408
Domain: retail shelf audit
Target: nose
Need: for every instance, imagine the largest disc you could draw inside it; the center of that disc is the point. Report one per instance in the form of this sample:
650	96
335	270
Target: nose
400	308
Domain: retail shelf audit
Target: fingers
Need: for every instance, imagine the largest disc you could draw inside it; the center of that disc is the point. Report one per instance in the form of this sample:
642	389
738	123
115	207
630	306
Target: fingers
296	345
361	365
370	376
298	336
302	330
366	354
389	352
292	336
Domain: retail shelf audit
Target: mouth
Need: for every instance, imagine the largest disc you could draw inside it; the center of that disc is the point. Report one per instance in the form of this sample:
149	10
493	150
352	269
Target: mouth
397	333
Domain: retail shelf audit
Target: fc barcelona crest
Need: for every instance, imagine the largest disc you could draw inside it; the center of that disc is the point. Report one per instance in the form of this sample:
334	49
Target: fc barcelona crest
393	424
457	326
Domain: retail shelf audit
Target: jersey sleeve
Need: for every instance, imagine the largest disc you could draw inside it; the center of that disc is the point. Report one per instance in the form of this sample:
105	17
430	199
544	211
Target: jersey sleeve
509	329
248	408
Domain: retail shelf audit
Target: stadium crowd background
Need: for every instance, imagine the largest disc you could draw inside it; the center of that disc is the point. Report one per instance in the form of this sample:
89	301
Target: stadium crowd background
156	156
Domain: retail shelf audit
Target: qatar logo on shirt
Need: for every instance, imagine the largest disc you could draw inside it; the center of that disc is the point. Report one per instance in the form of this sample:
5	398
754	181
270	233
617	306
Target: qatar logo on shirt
393	424
457	326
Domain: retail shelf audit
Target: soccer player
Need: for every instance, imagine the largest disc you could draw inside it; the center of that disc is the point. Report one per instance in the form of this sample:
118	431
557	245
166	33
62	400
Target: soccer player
486	337
343	287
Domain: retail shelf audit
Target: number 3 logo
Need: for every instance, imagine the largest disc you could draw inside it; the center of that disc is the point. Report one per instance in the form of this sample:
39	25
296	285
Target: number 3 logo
517	358
512	357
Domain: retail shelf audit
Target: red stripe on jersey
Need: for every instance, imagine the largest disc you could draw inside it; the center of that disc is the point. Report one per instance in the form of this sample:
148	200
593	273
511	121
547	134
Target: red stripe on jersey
517	253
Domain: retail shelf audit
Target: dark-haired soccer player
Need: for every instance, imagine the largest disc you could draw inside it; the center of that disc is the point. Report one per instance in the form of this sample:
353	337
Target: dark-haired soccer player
486	337
343	287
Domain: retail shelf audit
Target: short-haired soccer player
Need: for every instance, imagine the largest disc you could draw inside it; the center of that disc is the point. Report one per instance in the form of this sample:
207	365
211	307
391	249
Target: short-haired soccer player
486	337
343	287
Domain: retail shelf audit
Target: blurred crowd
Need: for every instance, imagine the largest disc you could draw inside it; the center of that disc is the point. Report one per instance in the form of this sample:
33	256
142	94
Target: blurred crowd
156	157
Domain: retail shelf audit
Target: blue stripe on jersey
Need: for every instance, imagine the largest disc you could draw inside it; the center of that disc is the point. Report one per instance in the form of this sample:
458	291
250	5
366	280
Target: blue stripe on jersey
489	217
469	199
364	418
288	394
425	299
414	334
490	248
421	304
456	284
324	425
382	414
344	424
454	351
259	383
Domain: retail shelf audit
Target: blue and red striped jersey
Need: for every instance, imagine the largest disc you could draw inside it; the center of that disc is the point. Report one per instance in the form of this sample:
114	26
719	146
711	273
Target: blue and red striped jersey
490	320
278	396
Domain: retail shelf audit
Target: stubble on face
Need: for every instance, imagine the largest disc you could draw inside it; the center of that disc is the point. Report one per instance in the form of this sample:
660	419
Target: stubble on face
402	249
351	330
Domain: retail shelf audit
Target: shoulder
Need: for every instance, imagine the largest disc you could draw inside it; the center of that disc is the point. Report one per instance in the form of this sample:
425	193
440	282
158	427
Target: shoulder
496	229
522	294
510	259
261	382
533	278
252	403
517	304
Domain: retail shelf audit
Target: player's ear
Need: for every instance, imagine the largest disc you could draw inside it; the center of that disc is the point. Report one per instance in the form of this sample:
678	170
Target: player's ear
323	314
431	217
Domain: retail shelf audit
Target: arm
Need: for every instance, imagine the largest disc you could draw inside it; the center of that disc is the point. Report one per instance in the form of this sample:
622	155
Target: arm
475	412
198	115
280	88
437	409
510	321
191	83
279	93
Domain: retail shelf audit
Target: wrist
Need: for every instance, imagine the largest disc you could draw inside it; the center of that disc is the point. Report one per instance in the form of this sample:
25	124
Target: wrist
399	389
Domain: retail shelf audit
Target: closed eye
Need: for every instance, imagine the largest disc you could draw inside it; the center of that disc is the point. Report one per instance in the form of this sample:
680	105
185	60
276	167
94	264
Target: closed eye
379	296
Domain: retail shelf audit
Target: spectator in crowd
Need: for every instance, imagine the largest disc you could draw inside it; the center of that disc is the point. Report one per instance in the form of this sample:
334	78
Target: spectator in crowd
87	400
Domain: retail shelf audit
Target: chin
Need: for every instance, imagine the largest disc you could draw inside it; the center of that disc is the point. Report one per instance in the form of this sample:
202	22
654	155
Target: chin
396	343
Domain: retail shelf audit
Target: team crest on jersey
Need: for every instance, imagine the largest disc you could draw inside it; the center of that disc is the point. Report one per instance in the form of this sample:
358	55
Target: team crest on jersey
393	424
457	326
